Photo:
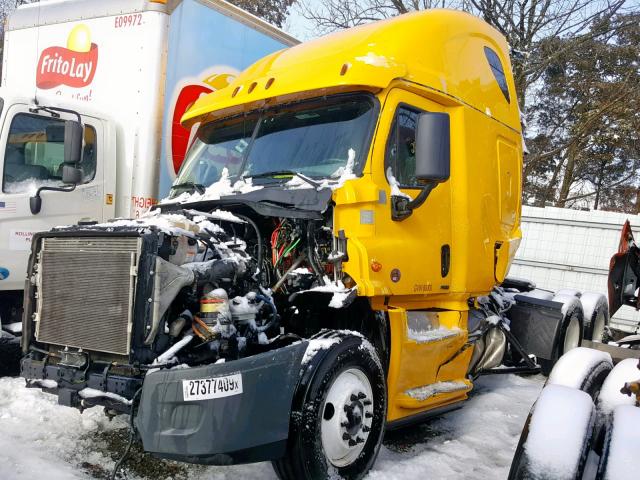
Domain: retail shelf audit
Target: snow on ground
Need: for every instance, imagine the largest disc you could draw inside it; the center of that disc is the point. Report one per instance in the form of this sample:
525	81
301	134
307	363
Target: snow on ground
38	437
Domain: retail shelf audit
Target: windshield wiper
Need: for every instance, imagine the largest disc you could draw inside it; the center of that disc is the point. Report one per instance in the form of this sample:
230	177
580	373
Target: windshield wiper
291	173
194	186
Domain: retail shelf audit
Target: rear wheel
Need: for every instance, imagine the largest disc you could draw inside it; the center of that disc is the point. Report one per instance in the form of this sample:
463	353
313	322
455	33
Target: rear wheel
556	437
621	446
596	315
570	333
336	430
583	369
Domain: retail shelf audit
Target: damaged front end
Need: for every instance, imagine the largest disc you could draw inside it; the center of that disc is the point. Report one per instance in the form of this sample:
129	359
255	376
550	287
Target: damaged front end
195	322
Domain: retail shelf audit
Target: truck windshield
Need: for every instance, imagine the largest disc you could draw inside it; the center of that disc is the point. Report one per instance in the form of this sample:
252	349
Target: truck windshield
312	138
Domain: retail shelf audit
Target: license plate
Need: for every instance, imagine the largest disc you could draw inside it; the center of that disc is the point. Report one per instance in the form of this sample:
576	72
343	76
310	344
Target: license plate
208	388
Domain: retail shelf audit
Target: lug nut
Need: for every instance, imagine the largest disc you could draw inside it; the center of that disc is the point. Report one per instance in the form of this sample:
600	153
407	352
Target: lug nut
359	440
353	398
344	424
368	415
361	395
366	402
365	429
348	408
346	436
352	443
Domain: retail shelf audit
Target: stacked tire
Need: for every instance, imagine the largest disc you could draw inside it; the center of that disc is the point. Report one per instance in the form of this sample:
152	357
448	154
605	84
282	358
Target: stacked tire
595	310
581	426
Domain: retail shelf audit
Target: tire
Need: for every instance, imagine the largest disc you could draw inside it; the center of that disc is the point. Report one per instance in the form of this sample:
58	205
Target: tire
561	417
10	354
610	396
583	369
570	292
570	334
596	315
344	401
621	446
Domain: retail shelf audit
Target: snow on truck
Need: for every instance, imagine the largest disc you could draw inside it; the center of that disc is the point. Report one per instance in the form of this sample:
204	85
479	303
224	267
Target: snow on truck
330	262
121	68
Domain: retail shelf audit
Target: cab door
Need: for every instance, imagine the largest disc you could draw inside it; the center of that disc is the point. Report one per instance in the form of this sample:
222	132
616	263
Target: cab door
415	252
33	153
428	361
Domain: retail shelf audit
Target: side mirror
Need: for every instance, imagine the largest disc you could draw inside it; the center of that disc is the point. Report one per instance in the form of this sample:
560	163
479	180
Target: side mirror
433	161
73	133
433	140
35	204
71	174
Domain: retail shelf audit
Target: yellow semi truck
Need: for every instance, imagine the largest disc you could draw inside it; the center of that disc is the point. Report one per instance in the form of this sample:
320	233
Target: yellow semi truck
330	263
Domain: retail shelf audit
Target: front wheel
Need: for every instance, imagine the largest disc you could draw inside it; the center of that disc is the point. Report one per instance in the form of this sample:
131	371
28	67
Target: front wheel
337	428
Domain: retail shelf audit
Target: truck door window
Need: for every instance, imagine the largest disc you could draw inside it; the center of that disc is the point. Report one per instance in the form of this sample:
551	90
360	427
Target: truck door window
401	147
35	153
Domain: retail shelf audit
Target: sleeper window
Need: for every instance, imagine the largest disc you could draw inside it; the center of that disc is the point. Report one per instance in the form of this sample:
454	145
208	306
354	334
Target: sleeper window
498	71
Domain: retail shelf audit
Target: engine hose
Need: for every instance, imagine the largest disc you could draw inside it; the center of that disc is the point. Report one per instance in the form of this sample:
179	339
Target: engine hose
274	314
132	435
293	266
259	240
311	254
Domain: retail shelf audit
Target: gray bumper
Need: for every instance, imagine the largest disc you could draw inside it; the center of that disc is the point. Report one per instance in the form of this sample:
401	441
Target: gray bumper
248	427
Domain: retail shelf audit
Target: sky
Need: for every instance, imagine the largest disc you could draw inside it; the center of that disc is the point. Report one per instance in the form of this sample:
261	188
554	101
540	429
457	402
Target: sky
297	25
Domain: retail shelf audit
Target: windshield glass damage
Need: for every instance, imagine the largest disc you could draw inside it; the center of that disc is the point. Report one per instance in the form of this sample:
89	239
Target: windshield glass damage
283	142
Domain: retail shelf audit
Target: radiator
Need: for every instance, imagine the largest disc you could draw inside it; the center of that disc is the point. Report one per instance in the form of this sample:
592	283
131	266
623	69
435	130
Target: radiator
86	288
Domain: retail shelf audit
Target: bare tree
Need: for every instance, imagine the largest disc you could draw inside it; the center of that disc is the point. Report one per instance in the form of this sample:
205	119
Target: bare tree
524	23
338	14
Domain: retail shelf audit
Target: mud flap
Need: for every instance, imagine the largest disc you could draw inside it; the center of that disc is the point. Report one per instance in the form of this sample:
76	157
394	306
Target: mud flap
536	325
249	425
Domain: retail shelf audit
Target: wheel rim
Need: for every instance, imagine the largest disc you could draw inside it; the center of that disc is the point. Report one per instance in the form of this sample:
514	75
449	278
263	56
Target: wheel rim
598	328
347	415
572	335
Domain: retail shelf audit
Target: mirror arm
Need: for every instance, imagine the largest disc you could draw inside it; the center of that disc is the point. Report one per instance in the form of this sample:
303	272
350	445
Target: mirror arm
401	208
35	202
53	111
422	196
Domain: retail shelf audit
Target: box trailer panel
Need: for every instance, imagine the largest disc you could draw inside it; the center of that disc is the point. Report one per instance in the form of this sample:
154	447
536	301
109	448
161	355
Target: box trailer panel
209	44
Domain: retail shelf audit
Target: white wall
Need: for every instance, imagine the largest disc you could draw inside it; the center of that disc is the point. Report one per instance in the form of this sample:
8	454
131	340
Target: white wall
563	248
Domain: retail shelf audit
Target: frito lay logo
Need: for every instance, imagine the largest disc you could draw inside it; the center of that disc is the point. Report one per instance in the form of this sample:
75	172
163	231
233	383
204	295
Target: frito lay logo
74	66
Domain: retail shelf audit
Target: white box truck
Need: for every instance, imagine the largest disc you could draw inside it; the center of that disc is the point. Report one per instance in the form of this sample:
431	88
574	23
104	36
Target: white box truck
127	70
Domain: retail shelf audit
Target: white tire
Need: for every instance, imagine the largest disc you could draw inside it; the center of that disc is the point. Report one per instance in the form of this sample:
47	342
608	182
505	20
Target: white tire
596	315
556	439
582	369
610	396
619	459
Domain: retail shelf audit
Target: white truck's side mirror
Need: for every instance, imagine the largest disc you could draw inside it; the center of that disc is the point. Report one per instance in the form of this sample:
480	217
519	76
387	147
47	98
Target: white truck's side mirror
71	174
73	133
